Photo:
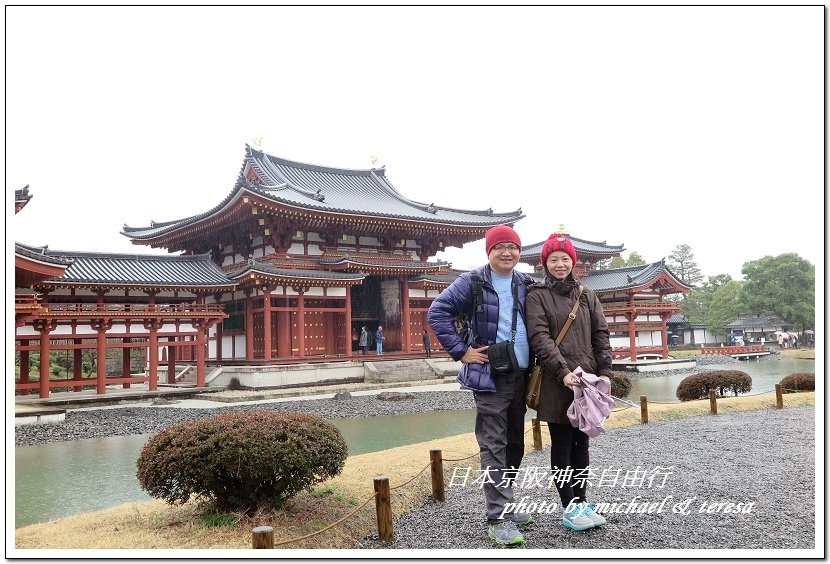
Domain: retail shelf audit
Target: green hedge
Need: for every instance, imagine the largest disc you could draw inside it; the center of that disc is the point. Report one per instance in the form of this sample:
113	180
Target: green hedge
241	461
620	384
798	382
697	386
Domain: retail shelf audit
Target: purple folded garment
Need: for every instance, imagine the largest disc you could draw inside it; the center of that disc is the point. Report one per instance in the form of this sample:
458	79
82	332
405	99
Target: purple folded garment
592	403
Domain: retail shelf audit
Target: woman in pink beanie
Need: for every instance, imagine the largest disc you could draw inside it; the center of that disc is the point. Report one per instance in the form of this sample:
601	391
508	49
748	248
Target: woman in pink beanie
586	345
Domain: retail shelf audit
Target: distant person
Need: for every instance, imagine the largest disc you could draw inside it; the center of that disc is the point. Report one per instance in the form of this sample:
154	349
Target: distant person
364	340
427	345
499	396
379	340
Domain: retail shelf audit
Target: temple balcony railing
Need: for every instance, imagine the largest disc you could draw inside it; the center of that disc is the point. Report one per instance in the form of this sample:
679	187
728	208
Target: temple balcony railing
130	311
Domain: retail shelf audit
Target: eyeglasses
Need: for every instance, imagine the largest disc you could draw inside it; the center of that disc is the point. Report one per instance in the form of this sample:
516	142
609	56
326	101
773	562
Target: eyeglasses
502	248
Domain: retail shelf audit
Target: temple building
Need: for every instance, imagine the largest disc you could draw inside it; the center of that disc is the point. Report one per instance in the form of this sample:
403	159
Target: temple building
288	267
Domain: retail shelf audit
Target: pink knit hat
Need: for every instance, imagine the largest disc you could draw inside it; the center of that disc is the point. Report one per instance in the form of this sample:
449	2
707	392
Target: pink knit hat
501	234
558	242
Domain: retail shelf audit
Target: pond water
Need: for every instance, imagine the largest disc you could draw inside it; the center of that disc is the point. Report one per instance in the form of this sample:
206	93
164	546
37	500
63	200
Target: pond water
59	479
765	374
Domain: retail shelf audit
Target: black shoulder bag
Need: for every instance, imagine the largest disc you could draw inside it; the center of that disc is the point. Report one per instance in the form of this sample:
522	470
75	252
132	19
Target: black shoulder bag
502	356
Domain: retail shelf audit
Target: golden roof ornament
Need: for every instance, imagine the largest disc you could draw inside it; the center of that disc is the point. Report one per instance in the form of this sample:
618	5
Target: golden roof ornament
562	229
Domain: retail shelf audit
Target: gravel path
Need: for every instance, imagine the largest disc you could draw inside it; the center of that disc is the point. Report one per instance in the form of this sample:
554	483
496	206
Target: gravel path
764	457
87	424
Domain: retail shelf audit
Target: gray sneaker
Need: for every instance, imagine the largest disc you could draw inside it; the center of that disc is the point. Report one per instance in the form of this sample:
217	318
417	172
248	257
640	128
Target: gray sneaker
521	518
505	533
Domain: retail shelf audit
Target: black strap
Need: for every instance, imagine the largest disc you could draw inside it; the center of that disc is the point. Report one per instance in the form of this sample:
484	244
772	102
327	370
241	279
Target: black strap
515	309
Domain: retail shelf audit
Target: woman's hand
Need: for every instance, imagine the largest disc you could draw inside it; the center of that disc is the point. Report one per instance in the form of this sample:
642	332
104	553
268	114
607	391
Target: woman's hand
475	356
570	380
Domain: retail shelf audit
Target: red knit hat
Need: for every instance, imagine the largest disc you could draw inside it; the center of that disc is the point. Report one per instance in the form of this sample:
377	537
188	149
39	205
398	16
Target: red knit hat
501	234
558	242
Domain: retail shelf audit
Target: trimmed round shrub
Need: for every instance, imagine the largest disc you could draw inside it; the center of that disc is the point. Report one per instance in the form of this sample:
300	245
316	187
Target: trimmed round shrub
241	461
620	385
798	382
697	386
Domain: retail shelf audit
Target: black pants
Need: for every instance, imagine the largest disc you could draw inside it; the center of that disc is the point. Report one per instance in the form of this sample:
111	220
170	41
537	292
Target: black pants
569	452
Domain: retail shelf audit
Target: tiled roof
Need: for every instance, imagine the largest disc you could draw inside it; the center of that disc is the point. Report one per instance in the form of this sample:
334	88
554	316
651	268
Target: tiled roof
677	318
627	277
40	254
266	268
447	279
766	321
582	246
334	190
22	196
370	261
190	271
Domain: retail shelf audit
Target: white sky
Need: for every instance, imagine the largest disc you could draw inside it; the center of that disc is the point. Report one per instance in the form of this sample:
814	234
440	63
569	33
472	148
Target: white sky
644	126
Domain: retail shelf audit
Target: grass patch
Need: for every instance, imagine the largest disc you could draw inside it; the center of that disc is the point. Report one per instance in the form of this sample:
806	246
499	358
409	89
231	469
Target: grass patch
219	520
322	492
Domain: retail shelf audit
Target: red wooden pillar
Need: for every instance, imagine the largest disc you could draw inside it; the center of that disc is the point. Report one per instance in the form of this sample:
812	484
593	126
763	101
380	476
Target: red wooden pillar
201	332
632	334
301	321
125	363
330	332
664	333
249	326
44	328
266	323
284	333
77	365
347	315
219	342
171	360
405	322
153	356
101	384
24	366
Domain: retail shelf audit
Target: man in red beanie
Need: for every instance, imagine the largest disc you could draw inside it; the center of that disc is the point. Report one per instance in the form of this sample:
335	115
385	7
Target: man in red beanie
486	297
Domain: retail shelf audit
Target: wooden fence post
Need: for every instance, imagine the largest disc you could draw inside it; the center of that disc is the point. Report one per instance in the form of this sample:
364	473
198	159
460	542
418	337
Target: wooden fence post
643	409
262	537
713	402
779	397
437	470
383	507
537	434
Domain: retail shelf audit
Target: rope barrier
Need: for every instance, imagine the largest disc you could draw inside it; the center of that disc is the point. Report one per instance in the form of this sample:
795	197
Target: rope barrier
412	478
460	459
309	535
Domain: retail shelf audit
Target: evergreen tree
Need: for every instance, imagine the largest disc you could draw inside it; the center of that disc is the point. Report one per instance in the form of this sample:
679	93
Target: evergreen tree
682	263
783	286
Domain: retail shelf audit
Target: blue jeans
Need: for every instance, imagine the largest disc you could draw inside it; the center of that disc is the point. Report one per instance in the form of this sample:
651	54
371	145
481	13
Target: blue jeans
379	345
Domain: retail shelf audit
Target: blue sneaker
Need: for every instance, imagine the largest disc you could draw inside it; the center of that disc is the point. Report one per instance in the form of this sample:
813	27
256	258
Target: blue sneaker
573	518
591	513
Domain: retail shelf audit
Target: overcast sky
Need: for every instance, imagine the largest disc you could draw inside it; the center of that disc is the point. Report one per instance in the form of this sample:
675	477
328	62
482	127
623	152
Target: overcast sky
648	127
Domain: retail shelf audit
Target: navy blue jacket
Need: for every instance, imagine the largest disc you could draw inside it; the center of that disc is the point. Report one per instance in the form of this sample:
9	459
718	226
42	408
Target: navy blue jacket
457	299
